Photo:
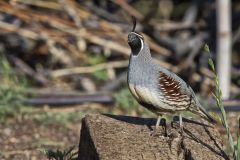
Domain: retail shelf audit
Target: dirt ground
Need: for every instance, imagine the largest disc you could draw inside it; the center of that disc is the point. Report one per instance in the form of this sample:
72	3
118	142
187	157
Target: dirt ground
26	139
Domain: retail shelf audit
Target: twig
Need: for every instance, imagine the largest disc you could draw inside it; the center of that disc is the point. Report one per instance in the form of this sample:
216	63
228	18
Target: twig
29	15
29	71
70	8
58	53
236	36
23	32
68	100
89	69
154	46
113	85
69	28
196	45
129	9
170	26
40	3
103	13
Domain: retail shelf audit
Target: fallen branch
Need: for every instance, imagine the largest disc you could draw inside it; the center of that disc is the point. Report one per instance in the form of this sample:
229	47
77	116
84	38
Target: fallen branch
68	100
29	71
89	69
129	9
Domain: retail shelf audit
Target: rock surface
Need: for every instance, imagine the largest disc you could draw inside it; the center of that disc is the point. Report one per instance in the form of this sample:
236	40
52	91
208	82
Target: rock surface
110	137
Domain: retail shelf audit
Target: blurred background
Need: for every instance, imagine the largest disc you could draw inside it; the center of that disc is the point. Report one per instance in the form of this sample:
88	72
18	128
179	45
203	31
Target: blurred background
63	59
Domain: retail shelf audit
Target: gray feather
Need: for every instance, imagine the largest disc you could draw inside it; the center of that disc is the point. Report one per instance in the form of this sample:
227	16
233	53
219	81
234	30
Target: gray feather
143	75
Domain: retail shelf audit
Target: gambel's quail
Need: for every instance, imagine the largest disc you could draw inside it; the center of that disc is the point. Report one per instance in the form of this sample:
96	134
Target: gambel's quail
156	88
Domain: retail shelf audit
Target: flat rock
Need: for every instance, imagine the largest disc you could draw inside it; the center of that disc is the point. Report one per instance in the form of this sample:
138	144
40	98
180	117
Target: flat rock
110	137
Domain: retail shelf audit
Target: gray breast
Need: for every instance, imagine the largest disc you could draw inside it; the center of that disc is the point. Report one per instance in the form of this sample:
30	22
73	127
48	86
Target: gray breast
142	73
143	82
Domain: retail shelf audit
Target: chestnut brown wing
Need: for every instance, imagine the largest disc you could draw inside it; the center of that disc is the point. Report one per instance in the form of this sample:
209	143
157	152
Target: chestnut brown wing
171	89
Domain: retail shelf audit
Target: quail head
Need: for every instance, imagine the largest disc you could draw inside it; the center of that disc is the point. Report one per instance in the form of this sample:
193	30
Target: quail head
156	88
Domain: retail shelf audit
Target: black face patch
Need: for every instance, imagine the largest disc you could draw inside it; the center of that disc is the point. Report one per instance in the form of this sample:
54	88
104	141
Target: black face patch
134	42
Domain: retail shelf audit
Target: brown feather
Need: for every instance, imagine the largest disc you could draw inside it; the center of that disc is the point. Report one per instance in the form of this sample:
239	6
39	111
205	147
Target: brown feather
171	88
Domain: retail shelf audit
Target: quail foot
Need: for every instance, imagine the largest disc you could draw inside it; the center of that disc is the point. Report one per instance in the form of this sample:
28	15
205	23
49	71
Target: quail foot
156	88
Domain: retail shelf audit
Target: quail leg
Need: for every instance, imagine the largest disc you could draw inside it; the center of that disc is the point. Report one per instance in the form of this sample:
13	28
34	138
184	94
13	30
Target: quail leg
154	131
180	122
158	121
164	126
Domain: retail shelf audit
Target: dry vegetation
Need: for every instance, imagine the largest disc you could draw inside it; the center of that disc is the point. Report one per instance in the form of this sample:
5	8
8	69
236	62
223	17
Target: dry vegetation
66	58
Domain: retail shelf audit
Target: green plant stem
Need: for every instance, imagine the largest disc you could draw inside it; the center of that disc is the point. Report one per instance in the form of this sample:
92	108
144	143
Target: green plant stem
218	98
238	141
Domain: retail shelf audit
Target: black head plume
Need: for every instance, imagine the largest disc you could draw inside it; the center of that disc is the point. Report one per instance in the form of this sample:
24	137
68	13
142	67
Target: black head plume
134	23
135	40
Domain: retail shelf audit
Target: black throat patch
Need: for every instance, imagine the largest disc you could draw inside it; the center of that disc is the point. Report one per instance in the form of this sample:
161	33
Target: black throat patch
135	43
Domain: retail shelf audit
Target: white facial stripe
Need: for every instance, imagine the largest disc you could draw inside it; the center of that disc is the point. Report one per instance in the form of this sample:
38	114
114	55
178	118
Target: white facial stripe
137	34
141	44
141	39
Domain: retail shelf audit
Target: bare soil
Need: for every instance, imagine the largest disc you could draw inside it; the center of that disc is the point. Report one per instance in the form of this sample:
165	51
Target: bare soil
27	139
